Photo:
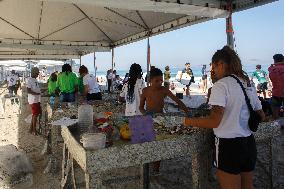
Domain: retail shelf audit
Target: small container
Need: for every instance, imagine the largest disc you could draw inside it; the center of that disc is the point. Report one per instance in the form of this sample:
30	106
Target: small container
93	141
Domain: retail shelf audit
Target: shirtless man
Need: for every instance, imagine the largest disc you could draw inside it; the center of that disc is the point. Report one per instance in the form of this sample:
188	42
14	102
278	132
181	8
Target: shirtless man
155	94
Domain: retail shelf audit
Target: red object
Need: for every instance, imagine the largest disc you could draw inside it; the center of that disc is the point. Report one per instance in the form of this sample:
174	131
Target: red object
36	109
107	129
101	120
276	75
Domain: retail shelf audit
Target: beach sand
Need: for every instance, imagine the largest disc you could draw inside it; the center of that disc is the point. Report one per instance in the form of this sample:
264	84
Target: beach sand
14	130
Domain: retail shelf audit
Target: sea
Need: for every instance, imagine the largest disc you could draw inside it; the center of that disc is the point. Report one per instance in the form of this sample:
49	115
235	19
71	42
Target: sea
249	69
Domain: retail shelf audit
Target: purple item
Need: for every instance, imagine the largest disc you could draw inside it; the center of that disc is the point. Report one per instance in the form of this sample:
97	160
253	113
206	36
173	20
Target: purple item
142	129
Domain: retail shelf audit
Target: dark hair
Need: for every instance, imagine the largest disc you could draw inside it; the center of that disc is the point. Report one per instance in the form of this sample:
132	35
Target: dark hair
187	63
66	68
53	77
278	58
167	68
155	72
135	73
258	66
83	69
232	60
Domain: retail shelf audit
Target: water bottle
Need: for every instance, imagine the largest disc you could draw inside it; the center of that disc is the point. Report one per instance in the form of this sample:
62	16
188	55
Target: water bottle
85	117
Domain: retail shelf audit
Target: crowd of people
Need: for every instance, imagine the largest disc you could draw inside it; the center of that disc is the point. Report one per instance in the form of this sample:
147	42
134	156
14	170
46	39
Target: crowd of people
235	148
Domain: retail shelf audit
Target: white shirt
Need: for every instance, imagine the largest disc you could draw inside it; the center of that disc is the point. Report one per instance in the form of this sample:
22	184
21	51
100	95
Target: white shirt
91	81
132	109
12	80
228	94
32	83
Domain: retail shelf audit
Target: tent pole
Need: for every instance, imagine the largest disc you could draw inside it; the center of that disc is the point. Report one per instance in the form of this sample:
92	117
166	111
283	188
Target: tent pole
112	59
229	27
148	61
95	65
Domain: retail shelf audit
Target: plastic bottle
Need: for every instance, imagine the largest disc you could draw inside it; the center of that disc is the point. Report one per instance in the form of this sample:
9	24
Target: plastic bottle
85	117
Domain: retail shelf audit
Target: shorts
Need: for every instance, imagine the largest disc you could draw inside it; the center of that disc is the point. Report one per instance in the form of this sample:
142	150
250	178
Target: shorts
166	84
204	77
235	155
277	101
94	96
12	89
36	109
67	97
263	86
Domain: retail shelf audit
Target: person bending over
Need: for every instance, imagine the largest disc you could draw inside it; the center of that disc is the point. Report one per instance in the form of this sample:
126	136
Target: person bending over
155	94
91	88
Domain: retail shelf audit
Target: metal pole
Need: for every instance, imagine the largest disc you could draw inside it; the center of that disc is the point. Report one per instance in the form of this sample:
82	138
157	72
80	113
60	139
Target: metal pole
229	27
148	61
95	65
80	60
112	59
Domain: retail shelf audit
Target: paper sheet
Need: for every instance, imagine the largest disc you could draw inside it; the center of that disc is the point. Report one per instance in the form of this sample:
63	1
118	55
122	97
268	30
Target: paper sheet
65	122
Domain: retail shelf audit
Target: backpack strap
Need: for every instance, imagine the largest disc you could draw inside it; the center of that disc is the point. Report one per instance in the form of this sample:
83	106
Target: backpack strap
243	89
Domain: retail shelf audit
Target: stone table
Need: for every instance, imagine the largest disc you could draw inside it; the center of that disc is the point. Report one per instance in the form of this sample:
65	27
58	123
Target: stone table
93	163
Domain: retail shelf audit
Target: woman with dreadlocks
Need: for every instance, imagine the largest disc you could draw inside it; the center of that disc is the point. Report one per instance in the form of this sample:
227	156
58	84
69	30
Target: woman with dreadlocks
132	90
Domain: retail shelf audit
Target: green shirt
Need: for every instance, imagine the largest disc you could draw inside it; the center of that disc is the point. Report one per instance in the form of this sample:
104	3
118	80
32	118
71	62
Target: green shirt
80	84
260	75
51	86
67	83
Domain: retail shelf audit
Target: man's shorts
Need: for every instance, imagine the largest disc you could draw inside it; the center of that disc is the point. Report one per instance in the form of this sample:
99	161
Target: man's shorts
36	109
235	155
277	101
12	89
263	86
204	77
67	97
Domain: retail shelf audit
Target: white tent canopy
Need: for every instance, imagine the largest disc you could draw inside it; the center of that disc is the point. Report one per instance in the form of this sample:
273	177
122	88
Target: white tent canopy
49	63
61	29
9	63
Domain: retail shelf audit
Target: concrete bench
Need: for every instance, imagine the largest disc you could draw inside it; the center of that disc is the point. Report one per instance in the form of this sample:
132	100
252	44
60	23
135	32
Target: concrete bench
15	168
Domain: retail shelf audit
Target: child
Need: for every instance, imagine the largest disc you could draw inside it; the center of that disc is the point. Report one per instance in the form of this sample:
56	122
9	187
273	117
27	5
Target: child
34	98
155	94
51	83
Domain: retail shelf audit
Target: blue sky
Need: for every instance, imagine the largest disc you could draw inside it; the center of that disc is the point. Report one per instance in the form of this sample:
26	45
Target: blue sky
259	33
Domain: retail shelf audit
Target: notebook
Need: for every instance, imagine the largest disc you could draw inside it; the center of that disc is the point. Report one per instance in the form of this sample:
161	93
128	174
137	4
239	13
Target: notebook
142	129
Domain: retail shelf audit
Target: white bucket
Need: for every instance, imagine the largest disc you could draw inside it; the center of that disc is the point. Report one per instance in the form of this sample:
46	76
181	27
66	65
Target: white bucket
93	141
